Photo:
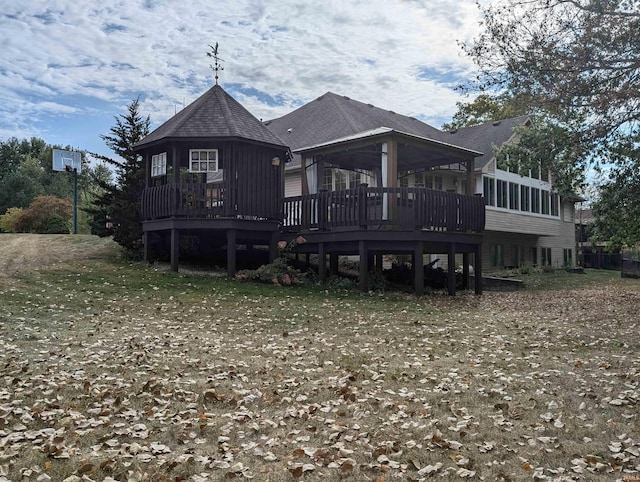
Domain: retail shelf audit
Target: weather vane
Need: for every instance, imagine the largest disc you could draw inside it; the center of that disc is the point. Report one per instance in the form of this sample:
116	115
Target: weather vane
217	60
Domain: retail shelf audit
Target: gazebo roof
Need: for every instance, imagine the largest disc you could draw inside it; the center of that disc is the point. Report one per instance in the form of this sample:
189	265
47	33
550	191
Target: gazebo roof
215	114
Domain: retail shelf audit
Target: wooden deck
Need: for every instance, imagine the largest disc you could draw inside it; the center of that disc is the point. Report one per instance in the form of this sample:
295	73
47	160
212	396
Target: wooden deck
363	221
385	208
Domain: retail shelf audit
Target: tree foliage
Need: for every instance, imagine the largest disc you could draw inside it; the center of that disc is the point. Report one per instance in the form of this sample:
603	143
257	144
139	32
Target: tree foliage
578	60
486	108
37	218
119	205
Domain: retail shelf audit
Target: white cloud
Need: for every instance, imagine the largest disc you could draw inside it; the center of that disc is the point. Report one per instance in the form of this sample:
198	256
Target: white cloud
377	51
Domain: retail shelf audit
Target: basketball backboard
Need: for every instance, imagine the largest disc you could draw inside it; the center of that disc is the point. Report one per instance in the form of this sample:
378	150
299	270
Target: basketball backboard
67	160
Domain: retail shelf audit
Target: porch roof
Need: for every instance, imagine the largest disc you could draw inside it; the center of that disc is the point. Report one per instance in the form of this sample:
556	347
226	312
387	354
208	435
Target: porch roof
355	150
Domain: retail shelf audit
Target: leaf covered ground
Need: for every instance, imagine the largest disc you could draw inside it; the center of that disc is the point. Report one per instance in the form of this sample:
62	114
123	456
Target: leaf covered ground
111	371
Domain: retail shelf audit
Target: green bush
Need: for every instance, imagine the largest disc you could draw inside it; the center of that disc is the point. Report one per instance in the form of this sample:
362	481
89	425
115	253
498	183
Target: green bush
9	220
56	224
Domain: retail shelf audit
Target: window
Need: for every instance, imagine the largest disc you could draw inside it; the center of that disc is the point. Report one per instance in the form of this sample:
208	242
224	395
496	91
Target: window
524	198
533	255
327	180
340	178
404	180
437	183
513	196
567	257
535	200
497	255
354	179
501	201
159	164
555	202
517	255
489	190
545	202
546	256
203	160
419	179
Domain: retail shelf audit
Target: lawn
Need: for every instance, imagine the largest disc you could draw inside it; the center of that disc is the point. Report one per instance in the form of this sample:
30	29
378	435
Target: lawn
118	371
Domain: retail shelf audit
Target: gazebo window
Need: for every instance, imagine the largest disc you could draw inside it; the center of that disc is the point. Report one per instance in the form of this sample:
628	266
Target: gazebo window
159	164
203	160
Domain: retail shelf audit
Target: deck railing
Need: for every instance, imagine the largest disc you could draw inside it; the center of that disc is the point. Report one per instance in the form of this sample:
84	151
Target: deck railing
376	207
186	199
362	207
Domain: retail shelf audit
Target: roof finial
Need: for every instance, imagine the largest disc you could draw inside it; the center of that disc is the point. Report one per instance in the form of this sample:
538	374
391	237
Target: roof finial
217	60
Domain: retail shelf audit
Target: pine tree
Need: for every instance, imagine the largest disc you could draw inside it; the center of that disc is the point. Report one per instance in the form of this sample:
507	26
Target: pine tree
120	203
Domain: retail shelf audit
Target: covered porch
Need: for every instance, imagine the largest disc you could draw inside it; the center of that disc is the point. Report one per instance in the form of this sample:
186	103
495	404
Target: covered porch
379	217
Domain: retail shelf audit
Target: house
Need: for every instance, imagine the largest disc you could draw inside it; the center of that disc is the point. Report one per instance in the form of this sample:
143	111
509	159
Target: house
359	181
526	221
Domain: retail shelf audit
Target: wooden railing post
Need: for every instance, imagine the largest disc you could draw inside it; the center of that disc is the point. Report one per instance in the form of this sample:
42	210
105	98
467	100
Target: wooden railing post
323	208
363	205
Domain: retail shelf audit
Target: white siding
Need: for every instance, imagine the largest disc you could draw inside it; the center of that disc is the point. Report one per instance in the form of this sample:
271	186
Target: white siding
292	183
515	222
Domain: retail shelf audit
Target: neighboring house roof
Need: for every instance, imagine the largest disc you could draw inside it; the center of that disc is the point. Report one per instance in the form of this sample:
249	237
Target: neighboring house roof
333	116
486	137
215	114
584	216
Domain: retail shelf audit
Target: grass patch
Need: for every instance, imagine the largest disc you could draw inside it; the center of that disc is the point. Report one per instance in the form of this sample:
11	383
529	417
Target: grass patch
116	370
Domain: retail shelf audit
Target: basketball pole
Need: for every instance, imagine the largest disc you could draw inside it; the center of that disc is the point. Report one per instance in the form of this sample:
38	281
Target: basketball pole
75	200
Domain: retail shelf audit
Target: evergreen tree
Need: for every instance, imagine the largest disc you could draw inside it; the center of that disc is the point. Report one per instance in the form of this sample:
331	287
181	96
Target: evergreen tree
119	206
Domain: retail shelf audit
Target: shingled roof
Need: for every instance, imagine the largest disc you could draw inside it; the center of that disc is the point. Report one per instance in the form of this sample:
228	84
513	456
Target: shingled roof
333	116
486	137
215	114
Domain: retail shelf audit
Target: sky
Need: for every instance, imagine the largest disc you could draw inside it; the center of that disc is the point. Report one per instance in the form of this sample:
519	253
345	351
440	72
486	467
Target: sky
68	67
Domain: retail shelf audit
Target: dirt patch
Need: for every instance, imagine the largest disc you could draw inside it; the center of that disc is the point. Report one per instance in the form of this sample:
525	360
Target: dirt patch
31	252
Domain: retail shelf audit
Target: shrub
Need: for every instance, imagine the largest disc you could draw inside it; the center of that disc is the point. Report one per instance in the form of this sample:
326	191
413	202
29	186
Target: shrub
277	273
56	224
9	220
34	219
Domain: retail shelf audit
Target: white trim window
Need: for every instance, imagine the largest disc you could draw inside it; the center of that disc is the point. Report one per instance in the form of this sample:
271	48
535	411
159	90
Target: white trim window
159	164
203	160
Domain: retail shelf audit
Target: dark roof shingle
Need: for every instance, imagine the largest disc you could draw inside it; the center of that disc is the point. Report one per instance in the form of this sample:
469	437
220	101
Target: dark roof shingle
215	114
333	116
486	137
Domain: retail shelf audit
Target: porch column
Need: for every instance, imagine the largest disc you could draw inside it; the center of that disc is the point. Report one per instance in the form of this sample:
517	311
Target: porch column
477	269
389	168
471	187
175	249
418	270
364	266
451	269
379	263
147	169
175	164
322	263
231	252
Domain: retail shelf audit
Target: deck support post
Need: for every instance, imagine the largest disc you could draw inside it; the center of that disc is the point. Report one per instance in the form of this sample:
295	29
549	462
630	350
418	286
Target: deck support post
471	188
379	264
451	269
322	263
333	264
465	271
273	246
364	266
307	261
175	249
145	244
231	253
418	270
477	269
